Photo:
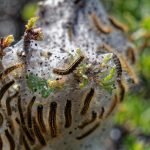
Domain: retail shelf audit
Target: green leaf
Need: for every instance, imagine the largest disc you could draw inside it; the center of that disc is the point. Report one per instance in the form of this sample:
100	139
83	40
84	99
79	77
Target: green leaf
29	11
146	23
37	84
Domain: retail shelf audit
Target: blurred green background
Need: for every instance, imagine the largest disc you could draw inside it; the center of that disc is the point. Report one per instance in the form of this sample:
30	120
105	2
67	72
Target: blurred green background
133	118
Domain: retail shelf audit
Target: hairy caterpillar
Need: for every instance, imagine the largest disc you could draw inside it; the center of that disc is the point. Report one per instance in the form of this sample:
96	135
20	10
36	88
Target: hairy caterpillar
70	69
10	139
118	67
87	122
88	132
99	26
38	132
52	119
112	106
8	101
118	24
29	112
68	115
7	71
125	65
40	118
4	89
87	101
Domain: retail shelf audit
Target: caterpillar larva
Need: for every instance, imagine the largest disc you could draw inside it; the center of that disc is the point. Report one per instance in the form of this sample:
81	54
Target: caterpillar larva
1	119
118	24
26	132
87	122
4	89
40	118
124	63
10	139
102	112
68	115
1	143
99	25
118	67
52	119
7	71
38	132
87	101
21	111
88	132
70	69
112	106
8	101
29	112
26	145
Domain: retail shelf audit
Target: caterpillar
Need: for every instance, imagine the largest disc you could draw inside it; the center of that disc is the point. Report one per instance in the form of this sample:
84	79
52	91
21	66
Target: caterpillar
11	125
78	6
118	24
102	112
29	112
70	69
87	122
26	131
121	90
40	118
1	119
125	65
52	119
128	68
87	101
131	55
1	143
68	116
112	105
118	67
38	132
4	89
10	139
20	111
8	100
99	26
7	71
26	145
88	132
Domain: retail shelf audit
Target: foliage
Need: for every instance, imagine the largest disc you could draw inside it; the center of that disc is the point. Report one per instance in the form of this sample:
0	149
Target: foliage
131	143
37	84
134	111
145	65
29	11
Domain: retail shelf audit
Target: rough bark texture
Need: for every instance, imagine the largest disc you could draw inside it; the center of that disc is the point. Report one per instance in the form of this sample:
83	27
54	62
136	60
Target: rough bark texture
75	114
